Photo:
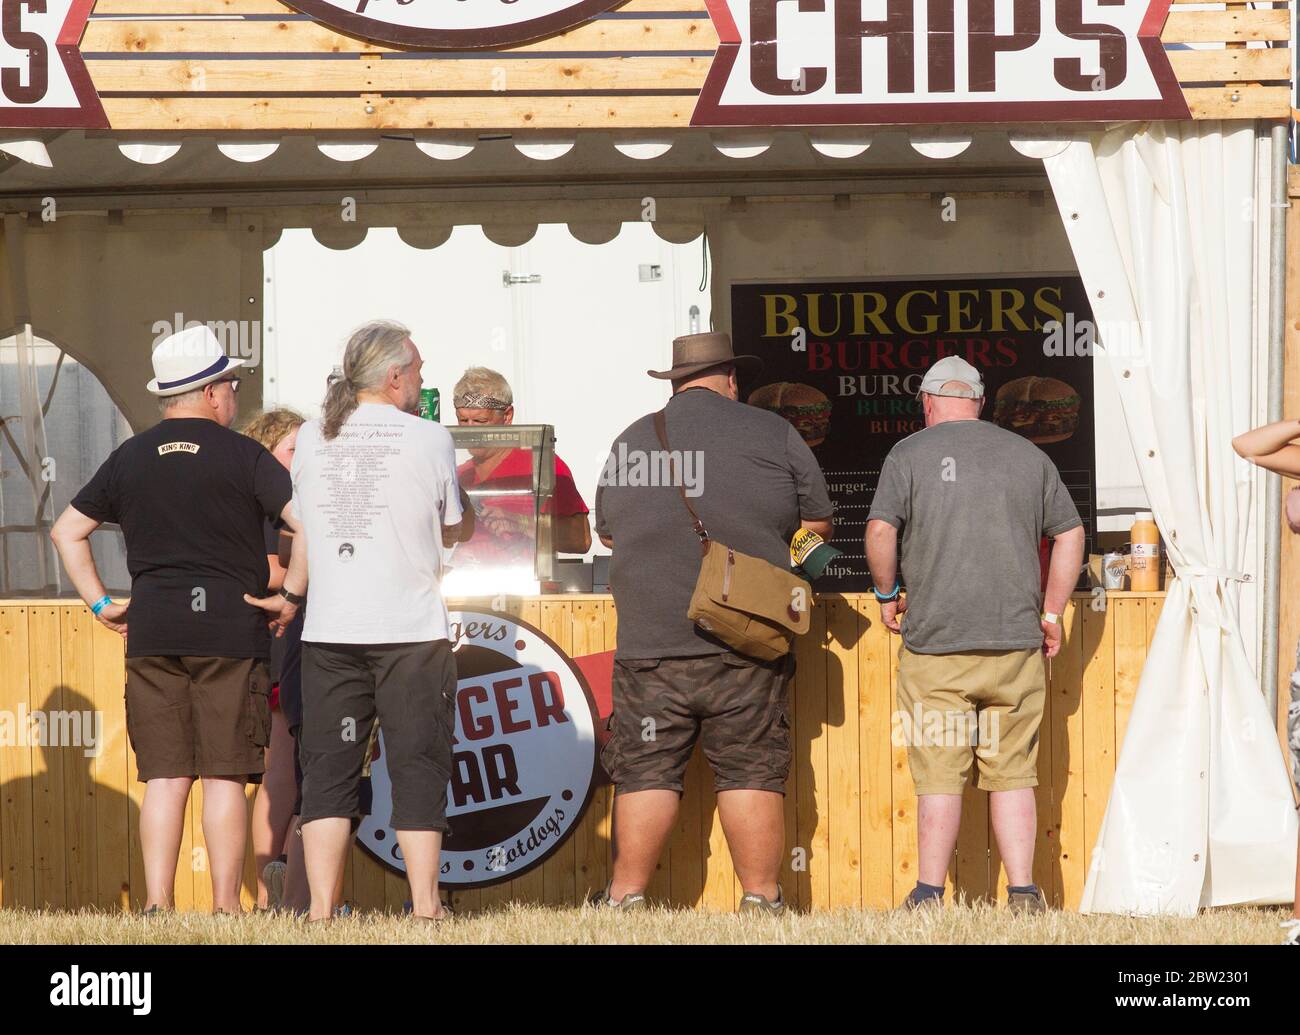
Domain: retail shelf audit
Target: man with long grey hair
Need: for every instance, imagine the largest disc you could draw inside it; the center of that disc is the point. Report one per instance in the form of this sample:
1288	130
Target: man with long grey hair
373	485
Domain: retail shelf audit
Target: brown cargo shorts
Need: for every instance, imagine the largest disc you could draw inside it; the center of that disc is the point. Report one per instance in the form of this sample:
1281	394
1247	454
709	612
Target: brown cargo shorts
198	716
979	707
737	707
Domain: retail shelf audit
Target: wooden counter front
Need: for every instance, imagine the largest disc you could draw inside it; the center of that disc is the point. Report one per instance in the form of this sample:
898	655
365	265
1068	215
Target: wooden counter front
69	825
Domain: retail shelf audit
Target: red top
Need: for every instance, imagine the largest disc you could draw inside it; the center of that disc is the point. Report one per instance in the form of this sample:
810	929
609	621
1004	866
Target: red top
504	532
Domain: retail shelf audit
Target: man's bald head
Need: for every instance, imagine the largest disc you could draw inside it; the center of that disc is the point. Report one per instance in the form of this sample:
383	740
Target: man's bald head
940	409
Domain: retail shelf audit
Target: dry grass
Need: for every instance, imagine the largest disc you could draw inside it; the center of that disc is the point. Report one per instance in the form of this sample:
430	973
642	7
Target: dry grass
533	925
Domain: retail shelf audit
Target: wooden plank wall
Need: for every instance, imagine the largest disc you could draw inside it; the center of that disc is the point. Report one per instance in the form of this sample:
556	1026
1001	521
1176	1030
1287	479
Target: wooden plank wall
69	825
184	64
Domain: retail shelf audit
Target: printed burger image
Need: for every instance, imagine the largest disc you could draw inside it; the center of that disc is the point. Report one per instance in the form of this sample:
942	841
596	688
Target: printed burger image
1042	409
802	405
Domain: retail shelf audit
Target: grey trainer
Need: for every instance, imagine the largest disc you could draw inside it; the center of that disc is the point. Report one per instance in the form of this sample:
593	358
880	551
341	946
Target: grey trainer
633	901
914	903
752	902
1026	902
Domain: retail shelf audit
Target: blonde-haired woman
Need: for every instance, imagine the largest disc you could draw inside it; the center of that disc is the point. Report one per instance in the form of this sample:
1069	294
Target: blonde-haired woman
275	805
1274	447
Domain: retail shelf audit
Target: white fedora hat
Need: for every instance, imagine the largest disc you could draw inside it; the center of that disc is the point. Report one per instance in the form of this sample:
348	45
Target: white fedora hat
188	360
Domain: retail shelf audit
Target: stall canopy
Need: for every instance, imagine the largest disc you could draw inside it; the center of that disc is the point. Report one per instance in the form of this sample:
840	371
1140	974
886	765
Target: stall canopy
172	141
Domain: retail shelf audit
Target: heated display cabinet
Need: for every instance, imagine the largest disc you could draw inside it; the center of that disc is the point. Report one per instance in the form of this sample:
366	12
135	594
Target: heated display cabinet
512	550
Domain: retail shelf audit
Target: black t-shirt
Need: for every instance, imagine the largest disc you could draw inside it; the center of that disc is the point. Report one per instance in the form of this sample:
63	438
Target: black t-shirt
192	498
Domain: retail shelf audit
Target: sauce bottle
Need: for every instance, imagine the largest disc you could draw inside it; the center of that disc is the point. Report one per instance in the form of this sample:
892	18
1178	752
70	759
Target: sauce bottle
1144	563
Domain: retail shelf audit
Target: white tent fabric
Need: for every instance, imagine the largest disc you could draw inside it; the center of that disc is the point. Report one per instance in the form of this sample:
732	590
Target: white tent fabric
1161	218
33	453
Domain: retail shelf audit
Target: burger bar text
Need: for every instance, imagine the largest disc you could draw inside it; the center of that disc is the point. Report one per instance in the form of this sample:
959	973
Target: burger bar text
843	61
488	711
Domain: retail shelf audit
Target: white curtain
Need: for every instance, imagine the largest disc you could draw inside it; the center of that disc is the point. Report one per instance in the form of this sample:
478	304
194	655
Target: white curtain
1163	220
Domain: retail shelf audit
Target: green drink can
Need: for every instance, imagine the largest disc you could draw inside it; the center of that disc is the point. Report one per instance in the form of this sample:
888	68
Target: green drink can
430	405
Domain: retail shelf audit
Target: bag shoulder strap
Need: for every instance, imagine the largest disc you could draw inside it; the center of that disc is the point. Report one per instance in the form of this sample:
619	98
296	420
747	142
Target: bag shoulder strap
661	430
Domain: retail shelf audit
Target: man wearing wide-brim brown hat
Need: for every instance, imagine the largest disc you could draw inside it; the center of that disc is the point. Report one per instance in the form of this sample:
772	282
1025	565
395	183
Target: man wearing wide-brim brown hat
754	484
693	353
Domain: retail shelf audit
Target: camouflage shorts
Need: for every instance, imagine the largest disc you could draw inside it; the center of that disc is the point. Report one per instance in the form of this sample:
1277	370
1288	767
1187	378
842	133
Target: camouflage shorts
736	707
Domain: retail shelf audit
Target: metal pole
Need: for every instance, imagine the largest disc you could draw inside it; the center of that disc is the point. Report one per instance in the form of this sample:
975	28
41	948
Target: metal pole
1276	367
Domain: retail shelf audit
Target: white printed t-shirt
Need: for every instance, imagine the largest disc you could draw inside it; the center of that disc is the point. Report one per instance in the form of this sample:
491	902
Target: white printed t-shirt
372	502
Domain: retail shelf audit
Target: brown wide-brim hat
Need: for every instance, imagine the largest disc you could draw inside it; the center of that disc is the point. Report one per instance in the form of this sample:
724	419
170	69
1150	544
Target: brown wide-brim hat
695	352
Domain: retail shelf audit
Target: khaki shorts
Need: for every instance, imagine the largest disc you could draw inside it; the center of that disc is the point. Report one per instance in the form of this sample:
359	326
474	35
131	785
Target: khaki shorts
982	706
196	716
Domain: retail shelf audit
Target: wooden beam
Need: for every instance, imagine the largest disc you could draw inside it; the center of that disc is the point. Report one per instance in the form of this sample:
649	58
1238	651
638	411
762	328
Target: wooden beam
299	37
218	8
372	74
1224	26
1258	64
576	111
1239	102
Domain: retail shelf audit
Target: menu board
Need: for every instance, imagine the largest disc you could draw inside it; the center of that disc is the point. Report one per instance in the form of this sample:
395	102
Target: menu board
843	361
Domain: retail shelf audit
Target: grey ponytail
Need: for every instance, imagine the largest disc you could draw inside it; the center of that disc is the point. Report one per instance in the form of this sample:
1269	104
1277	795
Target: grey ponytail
371	353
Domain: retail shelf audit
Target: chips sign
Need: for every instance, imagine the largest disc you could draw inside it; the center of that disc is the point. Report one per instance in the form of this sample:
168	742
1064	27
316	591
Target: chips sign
523	760
43	78
459	23
844	62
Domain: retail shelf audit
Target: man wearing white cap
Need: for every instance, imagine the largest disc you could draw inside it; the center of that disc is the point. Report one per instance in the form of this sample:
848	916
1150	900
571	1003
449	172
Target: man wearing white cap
972	501
191	497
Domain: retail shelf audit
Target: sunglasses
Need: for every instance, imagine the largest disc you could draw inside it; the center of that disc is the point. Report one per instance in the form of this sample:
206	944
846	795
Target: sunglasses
232	381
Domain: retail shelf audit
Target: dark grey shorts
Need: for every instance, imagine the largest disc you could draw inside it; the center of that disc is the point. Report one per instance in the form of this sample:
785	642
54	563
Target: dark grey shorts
736	706
410	689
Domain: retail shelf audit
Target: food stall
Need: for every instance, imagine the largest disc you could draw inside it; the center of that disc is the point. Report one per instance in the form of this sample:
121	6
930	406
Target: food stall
876	189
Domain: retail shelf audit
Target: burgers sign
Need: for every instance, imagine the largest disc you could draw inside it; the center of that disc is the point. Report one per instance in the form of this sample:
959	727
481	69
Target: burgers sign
523	755
843	362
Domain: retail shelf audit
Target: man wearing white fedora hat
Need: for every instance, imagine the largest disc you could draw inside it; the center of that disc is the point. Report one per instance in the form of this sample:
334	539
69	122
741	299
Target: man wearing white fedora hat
191	496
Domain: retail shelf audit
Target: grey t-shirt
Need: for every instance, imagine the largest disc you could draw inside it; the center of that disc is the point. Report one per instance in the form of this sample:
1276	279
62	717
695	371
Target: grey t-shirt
972	500
756	480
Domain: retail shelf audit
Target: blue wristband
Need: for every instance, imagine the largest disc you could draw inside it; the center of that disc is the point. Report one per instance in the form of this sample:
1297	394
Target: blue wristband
886	598
99	605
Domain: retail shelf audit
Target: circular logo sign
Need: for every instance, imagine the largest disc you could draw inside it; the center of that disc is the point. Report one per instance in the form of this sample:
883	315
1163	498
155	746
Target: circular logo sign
523	759
462	23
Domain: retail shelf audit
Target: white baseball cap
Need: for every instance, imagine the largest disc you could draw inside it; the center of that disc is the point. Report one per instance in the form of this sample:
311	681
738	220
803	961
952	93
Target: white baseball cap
188	360
953	368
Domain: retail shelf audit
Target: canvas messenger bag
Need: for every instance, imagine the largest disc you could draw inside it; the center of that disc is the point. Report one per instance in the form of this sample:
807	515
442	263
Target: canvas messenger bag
751	605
